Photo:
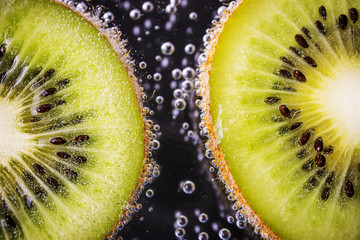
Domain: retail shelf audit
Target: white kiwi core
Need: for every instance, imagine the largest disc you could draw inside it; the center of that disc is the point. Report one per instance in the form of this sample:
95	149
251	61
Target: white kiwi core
12	139
341	99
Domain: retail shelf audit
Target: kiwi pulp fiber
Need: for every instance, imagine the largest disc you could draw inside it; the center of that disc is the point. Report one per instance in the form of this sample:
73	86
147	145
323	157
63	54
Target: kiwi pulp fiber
71	125
280	83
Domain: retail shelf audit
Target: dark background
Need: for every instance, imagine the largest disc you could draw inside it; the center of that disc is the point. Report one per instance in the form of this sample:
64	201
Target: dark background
180	157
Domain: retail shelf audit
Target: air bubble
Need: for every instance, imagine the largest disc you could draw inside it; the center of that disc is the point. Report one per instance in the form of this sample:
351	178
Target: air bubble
178	94
142	65
175	2
190	49
230	219
156	144
171	9
147	7
241	224
149	193
188	73
203	236
135	14
180	232
187	86
190	133
203	218
182	221
185	125
167	48
108	17
157	77
224	234
176	74
81	7
180	104
188	187
158	58
193	16
156	127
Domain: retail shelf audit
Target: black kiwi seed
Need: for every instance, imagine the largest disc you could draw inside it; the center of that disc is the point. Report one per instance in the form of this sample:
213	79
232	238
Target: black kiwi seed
304	138
320	26
306	31
39	169
320	173
2	50
48	92
299	76
310	61
63	155
295	126
318	144
289	89
81	138
308	165
330	178
301	41
311	183
28	203
39	192
287	61
296	51
10	223
44	108
325	193
285	73
320	160
328	150
57	141
72	174
322	11
302	154
349	188
28	176
79	159
284	110
354	15
343	21
272	100
53	182
63	83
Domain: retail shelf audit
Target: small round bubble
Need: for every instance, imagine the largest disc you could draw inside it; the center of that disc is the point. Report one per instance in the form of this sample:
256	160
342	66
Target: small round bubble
224	234
193	16
241	224
203	217
149	193
187	86
180	232
178	93
81	7
156	144
142	65
171	9
135	14
108	17
157	77
230	219
190	133
176	74
203	236
158	58
180	104
185	125
182	221
188	187
188	73
147	6
167	48
190	49
175	2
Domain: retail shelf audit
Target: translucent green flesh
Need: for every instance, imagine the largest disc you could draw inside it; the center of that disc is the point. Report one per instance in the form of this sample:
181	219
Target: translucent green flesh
264	156
98	102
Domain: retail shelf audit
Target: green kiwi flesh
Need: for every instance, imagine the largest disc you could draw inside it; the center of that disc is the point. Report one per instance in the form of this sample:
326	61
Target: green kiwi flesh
72	139
284	81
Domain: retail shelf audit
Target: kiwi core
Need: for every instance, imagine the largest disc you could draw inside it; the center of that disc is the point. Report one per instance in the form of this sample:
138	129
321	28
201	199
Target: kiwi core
341	100
12	139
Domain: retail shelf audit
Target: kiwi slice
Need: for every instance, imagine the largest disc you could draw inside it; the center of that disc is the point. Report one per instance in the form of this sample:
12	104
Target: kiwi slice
73	134
279	87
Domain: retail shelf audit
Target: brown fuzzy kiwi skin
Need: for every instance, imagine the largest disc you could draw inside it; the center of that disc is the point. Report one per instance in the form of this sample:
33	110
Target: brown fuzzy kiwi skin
120	46
213	150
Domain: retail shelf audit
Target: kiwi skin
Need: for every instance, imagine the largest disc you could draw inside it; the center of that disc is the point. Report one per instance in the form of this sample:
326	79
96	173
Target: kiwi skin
207	130
120	47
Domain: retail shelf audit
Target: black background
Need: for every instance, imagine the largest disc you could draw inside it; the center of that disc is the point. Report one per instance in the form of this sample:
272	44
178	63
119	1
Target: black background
180	157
